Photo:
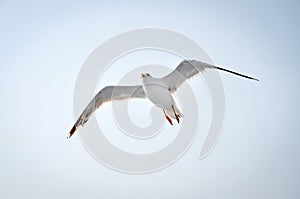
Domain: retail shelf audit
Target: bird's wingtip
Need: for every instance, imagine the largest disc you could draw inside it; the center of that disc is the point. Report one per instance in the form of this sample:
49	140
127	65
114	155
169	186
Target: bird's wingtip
72	132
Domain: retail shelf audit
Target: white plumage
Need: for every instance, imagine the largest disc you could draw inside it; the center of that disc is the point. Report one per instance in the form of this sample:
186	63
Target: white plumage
157	90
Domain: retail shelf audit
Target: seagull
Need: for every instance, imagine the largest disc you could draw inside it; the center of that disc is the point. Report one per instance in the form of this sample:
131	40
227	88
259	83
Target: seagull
158	90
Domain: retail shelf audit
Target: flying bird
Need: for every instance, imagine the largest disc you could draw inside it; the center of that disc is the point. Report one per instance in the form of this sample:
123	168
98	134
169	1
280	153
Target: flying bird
158	90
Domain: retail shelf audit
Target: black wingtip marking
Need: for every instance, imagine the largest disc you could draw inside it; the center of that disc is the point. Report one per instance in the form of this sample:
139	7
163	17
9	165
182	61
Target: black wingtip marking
74	128
235	73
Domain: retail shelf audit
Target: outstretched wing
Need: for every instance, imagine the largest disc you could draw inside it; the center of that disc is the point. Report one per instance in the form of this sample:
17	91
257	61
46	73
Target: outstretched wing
108	93
189	68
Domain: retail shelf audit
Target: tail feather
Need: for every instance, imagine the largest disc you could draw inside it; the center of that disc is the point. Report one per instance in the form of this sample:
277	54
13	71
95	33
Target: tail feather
178	112
171	114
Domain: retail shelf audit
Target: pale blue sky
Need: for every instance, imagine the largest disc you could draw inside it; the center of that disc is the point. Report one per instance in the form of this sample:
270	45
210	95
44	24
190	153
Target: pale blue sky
43	45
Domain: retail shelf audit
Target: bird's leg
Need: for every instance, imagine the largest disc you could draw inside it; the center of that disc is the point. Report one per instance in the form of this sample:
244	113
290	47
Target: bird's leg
168	118
177	116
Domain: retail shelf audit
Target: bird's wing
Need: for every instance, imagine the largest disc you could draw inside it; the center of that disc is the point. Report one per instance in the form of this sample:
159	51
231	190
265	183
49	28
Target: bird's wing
189	68
108	93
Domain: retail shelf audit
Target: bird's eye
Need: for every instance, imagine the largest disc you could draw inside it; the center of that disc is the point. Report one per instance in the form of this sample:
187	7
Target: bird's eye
147	74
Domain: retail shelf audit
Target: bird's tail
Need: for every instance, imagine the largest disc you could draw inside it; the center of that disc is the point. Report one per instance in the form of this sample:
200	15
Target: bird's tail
235	73
171	113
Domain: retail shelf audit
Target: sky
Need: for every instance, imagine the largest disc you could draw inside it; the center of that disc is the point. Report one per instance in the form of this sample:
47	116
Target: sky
43	46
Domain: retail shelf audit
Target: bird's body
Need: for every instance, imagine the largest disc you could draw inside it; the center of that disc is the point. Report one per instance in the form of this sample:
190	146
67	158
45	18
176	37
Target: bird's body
158	90
159	94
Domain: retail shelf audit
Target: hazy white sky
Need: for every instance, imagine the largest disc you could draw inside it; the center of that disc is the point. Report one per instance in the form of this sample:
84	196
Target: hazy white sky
43	46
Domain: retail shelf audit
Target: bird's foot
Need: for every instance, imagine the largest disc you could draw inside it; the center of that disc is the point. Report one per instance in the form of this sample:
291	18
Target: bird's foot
169	119
176	116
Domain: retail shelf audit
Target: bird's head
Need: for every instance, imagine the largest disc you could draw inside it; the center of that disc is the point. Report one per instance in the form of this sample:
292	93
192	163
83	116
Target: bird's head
145	75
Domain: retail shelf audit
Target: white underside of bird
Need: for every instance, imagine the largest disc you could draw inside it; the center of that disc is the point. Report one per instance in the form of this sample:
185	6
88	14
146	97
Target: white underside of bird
158	90
159	94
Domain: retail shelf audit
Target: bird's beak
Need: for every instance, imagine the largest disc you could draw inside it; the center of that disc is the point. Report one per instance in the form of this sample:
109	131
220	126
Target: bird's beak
142	75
